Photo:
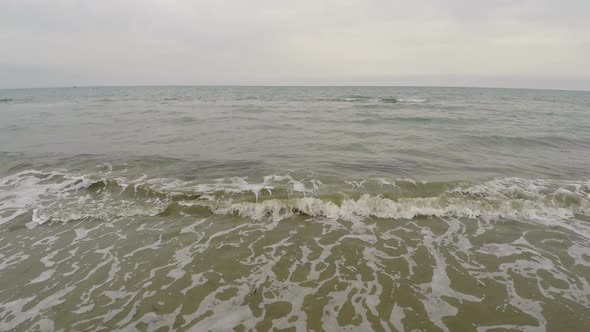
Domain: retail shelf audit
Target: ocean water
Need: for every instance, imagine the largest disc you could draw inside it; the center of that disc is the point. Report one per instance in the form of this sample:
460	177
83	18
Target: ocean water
294	209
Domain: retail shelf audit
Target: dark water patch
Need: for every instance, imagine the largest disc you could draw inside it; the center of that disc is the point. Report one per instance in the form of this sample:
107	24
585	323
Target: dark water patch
374	106
247	98
171	100
186	168
149	111
6	100
367	134
185	120
358	147
417	119
19	167
175	209
115	100
511	141
394	167
19	223
388	100
419	153
170	140
14	128
252	109
192	169
564	141
269	126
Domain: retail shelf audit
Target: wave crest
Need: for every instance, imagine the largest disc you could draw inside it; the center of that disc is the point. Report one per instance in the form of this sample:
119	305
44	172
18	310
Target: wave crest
62	196
408	208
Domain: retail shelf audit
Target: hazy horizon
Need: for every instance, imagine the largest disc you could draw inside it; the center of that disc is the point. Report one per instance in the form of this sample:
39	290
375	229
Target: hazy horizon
292	86
504	44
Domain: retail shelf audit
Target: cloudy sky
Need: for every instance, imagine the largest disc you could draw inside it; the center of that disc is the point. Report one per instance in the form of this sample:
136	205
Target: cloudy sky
504	43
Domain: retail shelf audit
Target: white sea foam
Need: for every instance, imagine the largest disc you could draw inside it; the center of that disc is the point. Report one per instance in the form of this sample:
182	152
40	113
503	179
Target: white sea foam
403	208
27	190
21	312
320	266
58	196
45	275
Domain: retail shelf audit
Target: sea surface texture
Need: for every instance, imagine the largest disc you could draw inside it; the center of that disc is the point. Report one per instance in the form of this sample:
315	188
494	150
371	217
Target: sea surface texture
294	209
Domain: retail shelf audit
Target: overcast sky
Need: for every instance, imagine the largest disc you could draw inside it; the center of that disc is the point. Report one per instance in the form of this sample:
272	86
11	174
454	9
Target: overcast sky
505	43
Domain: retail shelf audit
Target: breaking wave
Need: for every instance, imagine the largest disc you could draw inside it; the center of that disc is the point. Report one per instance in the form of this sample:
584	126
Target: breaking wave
379	207
62	196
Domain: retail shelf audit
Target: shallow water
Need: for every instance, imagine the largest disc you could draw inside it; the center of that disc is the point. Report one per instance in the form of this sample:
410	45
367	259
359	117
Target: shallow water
216	208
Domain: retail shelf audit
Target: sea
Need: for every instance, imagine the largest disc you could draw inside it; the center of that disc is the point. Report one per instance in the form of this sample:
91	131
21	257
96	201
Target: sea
196	208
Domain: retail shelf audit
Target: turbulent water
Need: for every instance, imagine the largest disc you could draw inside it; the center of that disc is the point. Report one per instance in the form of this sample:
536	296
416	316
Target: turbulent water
325	209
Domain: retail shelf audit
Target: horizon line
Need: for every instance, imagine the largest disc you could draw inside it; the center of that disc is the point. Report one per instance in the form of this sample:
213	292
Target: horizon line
289	86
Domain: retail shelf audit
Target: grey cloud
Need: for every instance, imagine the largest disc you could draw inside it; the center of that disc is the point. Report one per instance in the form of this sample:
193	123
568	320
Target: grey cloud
539	43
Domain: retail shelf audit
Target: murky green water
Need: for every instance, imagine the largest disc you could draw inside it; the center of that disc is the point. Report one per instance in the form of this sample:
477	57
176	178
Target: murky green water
388	209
